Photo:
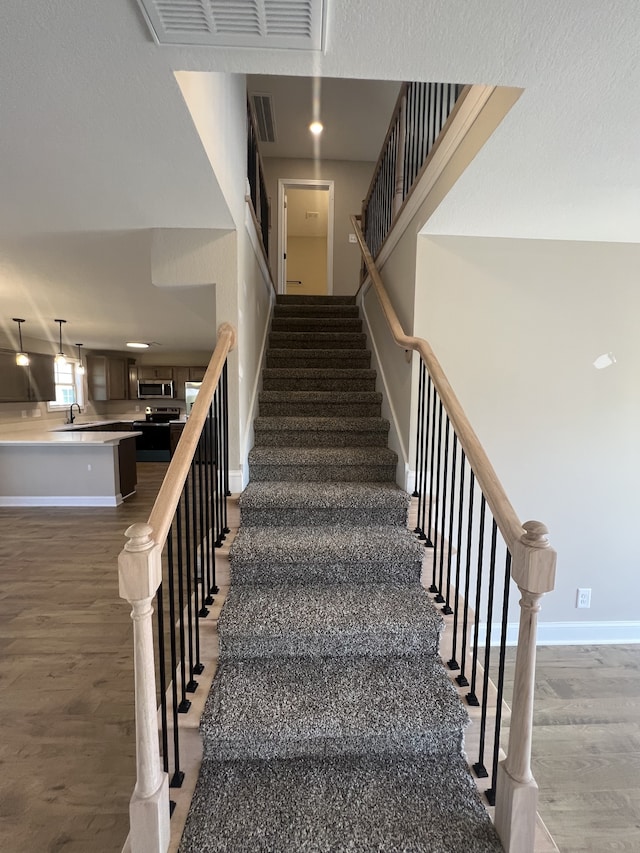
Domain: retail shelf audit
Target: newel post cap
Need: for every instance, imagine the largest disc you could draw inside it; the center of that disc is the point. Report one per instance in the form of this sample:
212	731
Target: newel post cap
139	564
227	327
534	560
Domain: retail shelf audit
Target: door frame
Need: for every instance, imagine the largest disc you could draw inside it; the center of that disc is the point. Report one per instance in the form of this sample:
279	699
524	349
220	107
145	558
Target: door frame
304	184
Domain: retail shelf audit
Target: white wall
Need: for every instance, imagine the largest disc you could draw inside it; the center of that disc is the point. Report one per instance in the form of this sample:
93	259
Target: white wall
217	103
516	325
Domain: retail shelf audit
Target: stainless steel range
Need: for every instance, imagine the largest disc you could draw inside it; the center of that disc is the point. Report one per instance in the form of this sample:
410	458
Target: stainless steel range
154	445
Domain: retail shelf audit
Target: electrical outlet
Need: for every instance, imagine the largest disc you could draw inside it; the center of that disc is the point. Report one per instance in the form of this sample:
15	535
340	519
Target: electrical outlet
352	238
583	598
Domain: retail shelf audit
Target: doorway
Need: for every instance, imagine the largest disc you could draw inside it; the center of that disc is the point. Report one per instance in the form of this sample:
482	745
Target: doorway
305	237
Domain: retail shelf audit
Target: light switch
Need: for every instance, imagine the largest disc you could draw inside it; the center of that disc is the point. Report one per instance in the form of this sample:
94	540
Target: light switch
352	238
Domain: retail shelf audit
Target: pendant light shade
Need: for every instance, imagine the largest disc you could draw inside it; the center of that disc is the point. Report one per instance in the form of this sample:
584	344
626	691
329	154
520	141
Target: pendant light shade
80	368
60	357
22	359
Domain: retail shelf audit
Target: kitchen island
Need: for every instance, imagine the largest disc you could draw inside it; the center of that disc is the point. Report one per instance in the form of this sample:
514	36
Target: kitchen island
73	467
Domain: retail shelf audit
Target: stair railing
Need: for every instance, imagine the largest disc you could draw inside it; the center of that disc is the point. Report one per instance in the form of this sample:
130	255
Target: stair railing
421	113
171	559
257	197
460	499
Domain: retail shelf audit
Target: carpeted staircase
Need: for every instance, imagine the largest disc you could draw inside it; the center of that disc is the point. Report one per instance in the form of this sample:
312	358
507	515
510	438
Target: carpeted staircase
331	724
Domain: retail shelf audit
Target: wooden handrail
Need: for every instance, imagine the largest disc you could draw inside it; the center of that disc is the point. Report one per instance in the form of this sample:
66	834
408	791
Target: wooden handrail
503	512
167	500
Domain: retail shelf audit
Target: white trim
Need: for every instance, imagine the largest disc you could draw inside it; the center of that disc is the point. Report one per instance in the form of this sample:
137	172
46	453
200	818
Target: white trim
257	245
461	123
572	633
396	437
301	184
61	500
236	482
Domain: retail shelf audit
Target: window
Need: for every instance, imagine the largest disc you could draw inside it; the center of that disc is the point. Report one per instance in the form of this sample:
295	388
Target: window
69	386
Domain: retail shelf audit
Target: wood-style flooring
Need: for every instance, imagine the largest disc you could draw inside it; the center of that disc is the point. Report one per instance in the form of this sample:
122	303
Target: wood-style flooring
67	760
67	764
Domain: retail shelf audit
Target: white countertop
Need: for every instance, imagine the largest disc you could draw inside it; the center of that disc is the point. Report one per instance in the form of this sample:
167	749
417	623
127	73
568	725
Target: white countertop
64	438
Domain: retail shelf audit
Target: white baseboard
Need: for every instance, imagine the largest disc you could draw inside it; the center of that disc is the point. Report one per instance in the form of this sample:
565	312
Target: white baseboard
572	633
61	500
236	482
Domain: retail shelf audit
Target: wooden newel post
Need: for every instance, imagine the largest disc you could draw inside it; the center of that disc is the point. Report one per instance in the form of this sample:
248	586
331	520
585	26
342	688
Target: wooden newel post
533	570
140	574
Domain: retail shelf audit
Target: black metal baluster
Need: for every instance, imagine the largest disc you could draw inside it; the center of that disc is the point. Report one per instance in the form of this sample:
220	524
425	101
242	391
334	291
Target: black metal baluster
453	663
225	424
431	527
462	679
178	775
192	684
418	491
185	704
162	678
203	612
443	514
438	535
425	452
479	768
447	607
207	538
472	697
198	667
490	794
221	536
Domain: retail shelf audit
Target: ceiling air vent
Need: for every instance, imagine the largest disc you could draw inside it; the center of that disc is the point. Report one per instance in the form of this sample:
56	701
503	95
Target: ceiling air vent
277	24
265	121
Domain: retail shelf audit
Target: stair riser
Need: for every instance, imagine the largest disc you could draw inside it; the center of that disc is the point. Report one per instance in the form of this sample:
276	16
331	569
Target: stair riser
310	410
310	438
383	745
309	340
316	311
310	384
378	644
294	299
347	516
314	324
261	472
312	360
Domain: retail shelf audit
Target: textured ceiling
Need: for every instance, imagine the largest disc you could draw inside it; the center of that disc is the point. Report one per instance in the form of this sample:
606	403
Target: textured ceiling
96	136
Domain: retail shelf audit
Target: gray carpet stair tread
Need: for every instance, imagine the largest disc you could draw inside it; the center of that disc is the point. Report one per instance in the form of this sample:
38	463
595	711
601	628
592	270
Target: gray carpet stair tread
320	397
317	549
345	358
352	805
313	707
282	430
335	373
314	299
317	310
270	504
292	339
322	621
293	456
322	495
321	324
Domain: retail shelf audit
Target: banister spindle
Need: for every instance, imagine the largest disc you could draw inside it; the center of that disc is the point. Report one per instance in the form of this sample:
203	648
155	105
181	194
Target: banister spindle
533	570
140	574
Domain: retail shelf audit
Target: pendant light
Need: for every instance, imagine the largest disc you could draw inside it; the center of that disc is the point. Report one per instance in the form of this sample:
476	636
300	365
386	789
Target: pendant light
22	359
80	367
60	357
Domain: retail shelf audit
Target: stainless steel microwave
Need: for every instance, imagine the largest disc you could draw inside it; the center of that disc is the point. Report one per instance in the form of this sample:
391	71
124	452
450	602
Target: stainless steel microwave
154	388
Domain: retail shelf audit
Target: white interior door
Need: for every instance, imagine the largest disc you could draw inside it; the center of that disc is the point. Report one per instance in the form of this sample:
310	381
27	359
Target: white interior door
285	184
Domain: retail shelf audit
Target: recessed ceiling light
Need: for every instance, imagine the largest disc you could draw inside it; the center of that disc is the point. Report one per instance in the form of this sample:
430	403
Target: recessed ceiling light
316	127
604	360
136	345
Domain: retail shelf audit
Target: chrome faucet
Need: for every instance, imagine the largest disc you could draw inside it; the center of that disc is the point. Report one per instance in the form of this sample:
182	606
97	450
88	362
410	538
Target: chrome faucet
71	417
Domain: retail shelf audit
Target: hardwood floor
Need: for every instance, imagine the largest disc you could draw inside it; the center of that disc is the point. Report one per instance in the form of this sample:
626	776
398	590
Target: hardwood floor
586	746
66	746
66	677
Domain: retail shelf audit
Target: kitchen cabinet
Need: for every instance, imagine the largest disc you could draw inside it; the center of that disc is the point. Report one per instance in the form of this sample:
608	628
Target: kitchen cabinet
154	372
32	384
186	374
108	377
